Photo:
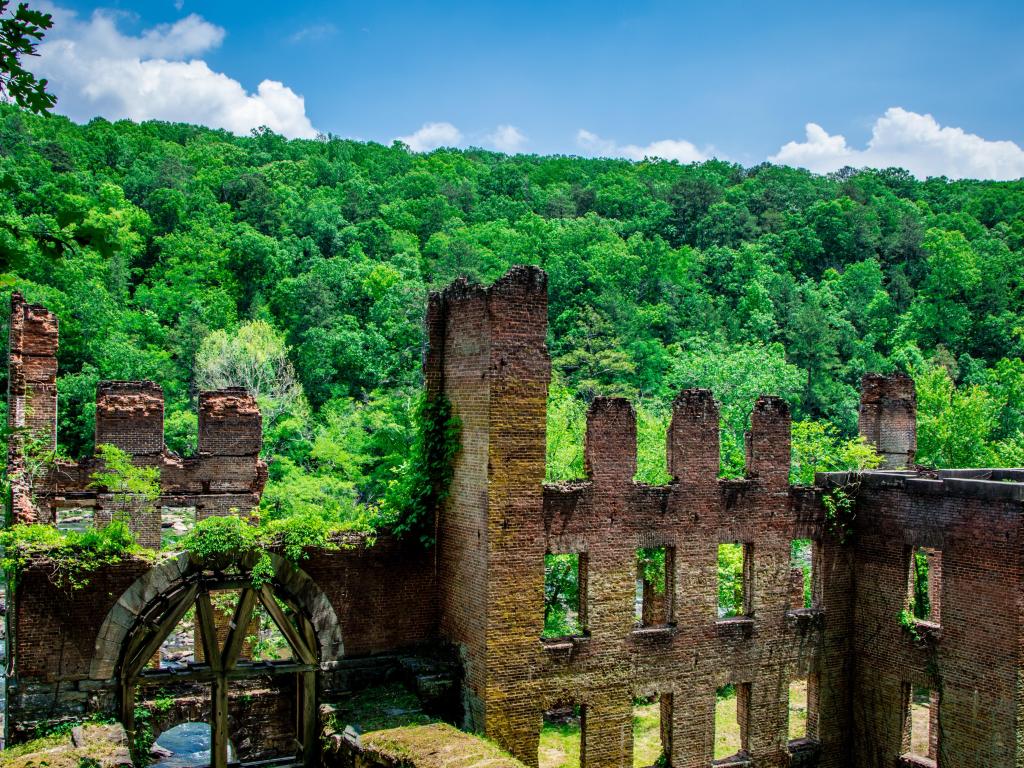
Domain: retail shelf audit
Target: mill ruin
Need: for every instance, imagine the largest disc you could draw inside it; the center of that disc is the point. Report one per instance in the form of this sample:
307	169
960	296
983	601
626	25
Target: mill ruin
462	622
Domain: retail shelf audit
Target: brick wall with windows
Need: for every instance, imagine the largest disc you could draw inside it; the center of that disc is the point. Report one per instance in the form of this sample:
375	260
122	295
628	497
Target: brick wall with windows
855	635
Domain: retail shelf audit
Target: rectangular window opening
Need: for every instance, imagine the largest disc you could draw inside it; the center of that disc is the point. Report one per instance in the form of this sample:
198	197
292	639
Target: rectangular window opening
734	579
803	708
925	584
564	595
802	558
652	730
73	518
732	713
562	737
654	569
175	522
921	728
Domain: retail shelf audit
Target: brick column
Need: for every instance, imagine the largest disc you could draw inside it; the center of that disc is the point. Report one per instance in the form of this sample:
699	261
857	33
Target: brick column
31	397
888	417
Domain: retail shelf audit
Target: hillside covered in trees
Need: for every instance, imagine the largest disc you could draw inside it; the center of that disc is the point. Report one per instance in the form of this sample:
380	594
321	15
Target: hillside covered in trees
300	269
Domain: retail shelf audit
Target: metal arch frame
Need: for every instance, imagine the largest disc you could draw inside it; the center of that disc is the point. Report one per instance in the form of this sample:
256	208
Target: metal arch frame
221	665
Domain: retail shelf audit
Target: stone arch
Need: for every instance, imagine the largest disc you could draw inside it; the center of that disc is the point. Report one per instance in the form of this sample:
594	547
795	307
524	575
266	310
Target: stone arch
173	573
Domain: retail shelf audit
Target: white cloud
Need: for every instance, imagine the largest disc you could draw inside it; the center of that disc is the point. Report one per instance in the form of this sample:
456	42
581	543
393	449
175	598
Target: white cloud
95	69
667	149
912	141
431	136
506	138
313	33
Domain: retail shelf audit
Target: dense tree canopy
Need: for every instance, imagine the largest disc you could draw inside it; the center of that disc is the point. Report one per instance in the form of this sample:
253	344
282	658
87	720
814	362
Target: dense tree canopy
300	269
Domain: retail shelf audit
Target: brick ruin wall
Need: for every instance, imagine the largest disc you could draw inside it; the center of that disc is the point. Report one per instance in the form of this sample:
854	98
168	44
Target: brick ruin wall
482	587
224	476
383	596
486	353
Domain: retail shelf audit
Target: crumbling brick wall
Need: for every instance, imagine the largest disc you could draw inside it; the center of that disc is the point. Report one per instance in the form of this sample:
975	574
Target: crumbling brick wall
482	587
31	398
888	417
486	353
492	553
970	655
225	475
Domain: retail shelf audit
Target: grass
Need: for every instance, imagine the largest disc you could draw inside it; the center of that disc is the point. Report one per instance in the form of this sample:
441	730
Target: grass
559	744
381	708
57	751
727	726
646	734
797	709
920	721
437	745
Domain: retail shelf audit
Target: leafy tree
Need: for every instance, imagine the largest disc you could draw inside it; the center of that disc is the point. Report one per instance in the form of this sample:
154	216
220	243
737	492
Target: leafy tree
21	30
255	358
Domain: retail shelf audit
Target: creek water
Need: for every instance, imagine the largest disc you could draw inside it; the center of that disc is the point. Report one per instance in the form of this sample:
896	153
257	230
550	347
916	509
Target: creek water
189	745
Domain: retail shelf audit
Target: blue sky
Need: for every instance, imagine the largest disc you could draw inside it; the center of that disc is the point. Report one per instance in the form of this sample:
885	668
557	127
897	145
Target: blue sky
679	80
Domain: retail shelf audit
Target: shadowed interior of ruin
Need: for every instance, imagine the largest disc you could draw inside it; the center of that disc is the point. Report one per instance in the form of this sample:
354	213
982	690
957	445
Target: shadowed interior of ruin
386	633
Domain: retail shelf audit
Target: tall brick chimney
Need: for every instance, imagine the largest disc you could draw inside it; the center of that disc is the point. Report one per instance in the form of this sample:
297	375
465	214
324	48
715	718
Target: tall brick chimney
888	417
487	353
31	395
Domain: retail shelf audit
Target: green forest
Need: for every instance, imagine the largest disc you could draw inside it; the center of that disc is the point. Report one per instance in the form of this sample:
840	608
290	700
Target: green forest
300	270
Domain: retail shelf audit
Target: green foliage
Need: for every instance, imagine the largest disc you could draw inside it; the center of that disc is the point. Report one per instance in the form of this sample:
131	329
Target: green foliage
133	488
908	622
562	596
974	425
68	557
411	502
731	601
800	557
818	447
651	567
20	34
840	511
566	428
920	601
223	541
142	736
299	270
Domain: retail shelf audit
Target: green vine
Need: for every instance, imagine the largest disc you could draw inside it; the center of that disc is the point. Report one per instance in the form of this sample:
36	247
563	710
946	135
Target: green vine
909	624
840	511
142	736
423	482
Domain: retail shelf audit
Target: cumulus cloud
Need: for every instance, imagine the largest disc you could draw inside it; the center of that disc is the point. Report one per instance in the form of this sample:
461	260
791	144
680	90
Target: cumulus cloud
431	136
95	69
912	141
507	138
667	149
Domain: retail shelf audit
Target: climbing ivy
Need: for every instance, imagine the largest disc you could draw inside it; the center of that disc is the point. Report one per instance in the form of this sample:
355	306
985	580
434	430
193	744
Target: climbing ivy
423	481
840	511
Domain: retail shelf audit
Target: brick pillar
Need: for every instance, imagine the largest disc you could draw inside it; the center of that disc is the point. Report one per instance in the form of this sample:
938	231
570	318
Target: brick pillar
31	396
888	417
130	416
693	438
610	446
487	354
768	442
230	423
